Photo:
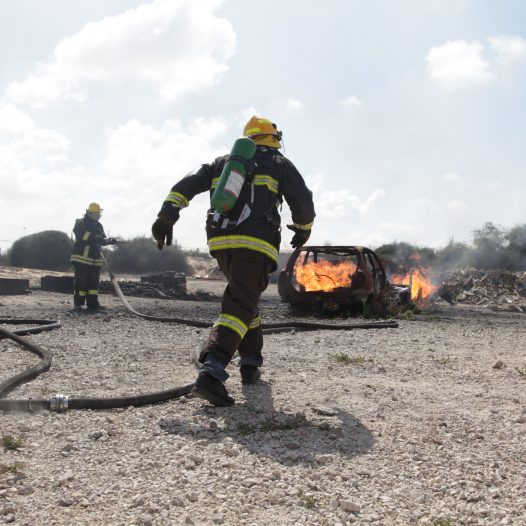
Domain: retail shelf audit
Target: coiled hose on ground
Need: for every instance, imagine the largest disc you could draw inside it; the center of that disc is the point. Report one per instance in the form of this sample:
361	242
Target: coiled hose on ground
61	402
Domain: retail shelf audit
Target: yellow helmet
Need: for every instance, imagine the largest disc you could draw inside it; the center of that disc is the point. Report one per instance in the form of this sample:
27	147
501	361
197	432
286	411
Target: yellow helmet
94	207
263	132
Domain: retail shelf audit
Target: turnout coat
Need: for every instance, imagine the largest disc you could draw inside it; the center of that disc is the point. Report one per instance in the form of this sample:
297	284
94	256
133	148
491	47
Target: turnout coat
254	223
89	235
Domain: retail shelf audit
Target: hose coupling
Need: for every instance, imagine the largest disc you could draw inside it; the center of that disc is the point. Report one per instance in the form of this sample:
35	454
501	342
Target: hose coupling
59	403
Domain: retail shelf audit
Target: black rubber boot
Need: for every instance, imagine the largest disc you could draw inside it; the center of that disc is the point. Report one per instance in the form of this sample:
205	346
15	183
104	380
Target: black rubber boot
249	374
93	308
211	389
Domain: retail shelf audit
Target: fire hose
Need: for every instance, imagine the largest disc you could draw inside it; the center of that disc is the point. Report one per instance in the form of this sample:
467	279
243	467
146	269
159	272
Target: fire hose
61	402
267	328
45	356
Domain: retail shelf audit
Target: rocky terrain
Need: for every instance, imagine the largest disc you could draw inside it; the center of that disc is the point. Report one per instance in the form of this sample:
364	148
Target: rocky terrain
420	425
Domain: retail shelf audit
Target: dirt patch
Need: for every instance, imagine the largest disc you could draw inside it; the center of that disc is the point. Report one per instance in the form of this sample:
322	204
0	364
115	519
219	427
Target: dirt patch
424	424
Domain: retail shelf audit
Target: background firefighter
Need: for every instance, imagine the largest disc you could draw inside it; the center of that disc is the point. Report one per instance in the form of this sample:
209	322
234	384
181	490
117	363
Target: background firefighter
245	242
86	257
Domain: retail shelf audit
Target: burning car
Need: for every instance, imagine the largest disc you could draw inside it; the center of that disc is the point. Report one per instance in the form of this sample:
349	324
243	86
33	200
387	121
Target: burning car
332	278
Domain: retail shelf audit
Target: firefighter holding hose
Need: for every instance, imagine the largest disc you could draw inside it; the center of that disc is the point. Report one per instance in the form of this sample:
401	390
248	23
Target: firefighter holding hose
86	258
243	229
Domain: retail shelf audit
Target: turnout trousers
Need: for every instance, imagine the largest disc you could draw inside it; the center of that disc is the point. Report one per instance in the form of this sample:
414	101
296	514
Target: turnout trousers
86	285
238	326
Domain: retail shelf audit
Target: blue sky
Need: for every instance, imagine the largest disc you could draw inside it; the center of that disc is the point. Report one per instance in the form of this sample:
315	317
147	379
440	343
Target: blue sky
406	118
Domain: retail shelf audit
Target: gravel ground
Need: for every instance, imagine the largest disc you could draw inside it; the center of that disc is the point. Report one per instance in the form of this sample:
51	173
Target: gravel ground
424	424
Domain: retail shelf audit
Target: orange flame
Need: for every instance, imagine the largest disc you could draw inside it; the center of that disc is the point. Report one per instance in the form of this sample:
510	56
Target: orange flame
421	285
324	275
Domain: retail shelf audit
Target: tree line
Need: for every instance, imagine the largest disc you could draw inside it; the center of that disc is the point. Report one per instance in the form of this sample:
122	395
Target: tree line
492	247
51	250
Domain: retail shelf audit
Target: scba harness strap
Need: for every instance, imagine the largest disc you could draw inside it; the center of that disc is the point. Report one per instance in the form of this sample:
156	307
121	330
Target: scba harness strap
227	222
249	164
245	209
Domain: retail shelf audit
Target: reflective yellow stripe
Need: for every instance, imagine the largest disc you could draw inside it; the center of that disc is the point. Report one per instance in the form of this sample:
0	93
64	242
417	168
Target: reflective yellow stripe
233	323
93	292
251	243
303	227
215	180
178	199
256	322
86	236
82	293
85	252
255	131
266	180
75	258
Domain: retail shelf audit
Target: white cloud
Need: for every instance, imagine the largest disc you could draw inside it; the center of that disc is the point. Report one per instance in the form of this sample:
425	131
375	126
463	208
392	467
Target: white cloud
508	48
495	186
155	154
141	163
38	182
294	104
452	177
338	204
398	231
176	46
365	206
207	129
13	121
457	206
428	205
458	64
352	102
26	156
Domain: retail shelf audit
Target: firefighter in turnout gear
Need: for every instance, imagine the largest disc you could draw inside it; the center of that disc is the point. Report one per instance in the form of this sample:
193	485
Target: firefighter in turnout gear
245	242
86	258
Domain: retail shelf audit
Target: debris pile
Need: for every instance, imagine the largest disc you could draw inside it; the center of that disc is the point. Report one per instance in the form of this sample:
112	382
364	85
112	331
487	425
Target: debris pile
165	285
495	289
213	274
168	280
10	286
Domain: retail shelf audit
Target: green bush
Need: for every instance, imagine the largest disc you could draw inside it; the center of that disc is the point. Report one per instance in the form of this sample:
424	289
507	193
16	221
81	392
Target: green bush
490	244
493	247
140	254
496	247
48	250
454	254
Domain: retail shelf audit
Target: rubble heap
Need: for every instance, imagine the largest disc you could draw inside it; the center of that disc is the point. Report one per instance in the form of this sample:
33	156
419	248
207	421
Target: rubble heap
148	290
495	289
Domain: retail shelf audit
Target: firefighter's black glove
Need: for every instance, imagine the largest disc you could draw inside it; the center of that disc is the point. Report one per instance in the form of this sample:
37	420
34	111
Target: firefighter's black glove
111	241
300	236
163	227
